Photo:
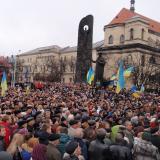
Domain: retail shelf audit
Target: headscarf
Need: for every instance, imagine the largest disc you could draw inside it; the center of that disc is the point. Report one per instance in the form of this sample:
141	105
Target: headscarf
39	152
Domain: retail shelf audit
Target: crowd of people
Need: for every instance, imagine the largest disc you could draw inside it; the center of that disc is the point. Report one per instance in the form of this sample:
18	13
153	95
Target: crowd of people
78	122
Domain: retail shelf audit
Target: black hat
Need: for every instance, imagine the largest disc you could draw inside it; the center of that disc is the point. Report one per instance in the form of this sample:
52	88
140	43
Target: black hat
43	138
21	122
29	119
17	112
53	137
91	122
70	147
29	107
63	119
37	113
72	122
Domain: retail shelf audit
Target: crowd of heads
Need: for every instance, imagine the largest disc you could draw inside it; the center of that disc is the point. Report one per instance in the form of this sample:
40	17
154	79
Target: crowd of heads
78	122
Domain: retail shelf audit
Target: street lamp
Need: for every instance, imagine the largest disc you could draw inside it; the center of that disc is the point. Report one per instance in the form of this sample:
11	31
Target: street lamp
14	63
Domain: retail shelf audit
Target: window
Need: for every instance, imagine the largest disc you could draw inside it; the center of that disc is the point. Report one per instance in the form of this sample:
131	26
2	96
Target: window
142	34
65	58
63	80
152	60
110	40
71	68
142	60
122	39
70	80
64	68
131	34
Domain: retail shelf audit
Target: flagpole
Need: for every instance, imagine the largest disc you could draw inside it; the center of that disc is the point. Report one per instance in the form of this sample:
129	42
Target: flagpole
14	77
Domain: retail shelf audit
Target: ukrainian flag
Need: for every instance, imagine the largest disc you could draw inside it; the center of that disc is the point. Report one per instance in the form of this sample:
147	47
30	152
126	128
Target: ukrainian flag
90	76
3	84
136	94
121	79
114	77
28	90
127	72
142	88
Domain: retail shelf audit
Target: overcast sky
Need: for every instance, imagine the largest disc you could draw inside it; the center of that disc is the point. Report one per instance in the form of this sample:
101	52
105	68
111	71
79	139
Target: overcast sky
29	24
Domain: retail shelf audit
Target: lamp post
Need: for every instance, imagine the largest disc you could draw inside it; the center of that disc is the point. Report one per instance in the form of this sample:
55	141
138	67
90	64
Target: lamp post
13	61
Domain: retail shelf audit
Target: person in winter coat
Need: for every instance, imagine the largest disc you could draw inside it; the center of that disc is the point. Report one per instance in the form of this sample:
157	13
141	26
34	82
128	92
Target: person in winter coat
78	137
144	149
64	138
72	151
120	150
2	135
39	152
52	152
5	156
97	149
6	124
27	148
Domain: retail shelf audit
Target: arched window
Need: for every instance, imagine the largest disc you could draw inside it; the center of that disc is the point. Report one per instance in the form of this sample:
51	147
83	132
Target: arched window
142	34
110	40
122	39
152	60
131	34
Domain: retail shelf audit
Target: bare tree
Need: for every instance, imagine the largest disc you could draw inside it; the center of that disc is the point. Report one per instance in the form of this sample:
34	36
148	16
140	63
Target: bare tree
52	69
146	66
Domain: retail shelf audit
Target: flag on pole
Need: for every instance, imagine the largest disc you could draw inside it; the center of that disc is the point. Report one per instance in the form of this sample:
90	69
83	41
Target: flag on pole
27	90
136	94
90	76
3	84
121	79
127	72
114	77
142	88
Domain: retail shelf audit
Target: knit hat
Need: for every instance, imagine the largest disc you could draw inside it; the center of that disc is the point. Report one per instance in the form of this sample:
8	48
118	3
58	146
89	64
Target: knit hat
146	136
72	122
53	137
70	147
21	122
5	156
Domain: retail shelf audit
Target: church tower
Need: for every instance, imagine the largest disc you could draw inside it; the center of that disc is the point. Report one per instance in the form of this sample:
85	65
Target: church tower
132	8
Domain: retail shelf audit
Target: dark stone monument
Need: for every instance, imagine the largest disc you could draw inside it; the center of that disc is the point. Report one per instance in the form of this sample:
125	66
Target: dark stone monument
84	48
100	63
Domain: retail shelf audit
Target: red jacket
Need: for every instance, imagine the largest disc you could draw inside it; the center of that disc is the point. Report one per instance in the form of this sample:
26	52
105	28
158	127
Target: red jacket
6	125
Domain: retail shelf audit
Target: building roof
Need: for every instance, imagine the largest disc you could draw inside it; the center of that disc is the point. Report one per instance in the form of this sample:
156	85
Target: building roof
47	49
74	49
126	14
57	49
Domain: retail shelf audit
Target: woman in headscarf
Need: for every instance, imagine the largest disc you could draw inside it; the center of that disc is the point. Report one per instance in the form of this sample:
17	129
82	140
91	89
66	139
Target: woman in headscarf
39	152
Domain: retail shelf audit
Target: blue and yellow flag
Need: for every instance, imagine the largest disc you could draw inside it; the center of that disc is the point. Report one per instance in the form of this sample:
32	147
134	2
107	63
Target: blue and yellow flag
3	84
121	79
27	90
142	88
127	72
114	77
90	76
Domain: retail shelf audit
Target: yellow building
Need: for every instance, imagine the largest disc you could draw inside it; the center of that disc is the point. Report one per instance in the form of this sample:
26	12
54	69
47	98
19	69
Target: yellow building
42	60
133	38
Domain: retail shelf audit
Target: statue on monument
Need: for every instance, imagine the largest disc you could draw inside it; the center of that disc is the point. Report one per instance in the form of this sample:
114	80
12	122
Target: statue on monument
99	71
